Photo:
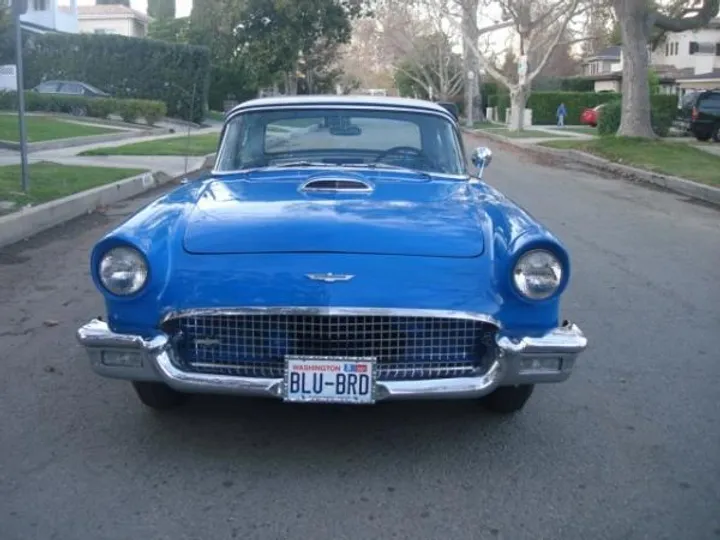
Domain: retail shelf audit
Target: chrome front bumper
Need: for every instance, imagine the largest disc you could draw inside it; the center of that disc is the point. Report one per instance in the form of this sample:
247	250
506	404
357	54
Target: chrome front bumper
529	360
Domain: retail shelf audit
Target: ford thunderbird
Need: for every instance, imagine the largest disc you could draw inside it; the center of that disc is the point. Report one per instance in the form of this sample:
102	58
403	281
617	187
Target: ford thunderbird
342	250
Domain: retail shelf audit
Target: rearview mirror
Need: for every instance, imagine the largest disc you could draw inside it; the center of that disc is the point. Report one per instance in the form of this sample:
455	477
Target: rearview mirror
346	130
481	157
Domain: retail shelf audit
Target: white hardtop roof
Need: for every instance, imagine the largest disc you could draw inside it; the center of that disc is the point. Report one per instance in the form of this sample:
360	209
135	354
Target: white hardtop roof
348	100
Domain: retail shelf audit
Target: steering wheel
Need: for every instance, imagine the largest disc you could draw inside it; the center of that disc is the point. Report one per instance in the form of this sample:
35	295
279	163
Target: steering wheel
395	149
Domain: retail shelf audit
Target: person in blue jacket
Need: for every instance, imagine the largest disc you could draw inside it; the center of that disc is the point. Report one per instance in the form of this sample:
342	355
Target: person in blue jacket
561	114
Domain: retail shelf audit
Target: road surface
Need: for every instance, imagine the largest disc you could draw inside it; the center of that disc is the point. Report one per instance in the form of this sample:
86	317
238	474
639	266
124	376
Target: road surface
629	448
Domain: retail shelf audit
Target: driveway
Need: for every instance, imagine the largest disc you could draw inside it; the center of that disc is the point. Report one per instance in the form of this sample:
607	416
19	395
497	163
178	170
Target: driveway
627	448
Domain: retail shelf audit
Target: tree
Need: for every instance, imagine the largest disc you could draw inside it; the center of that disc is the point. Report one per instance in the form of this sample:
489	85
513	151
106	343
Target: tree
431	67
172	30
365	61
637	20
161	9
280	31
471	71
420	42
7	38
539	26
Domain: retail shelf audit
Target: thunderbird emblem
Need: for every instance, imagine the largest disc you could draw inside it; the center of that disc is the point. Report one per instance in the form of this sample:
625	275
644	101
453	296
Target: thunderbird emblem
329	277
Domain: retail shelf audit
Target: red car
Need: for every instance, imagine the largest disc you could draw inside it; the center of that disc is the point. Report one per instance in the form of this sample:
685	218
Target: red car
590	116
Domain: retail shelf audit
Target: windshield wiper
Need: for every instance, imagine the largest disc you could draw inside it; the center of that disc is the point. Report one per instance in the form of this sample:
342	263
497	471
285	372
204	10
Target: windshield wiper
305	163
387	166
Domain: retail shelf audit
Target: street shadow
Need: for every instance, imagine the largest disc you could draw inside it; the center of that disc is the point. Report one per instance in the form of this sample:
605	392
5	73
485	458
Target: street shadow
259	432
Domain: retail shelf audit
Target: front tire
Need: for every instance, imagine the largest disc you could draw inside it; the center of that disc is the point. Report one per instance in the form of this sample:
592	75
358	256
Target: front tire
158	396
508	399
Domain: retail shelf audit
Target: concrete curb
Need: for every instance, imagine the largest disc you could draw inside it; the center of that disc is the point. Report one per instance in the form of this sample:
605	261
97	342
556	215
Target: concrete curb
682	186
30	221
82	141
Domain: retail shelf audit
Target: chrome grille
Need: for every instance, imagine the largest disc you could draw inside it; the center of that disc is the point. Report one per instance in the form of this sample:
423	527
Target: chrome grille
405	347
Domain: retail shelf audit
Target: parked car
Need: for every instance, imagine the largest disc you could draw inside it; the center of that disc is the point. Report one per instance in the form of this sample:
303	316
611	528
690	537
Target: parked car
591	116
359	264
700	115
71	88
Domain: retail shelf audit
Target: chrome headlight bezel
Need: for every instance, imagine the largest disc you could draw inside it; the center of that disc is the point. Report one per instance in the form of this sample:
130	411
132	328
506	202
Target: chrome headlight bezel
123	259
542	261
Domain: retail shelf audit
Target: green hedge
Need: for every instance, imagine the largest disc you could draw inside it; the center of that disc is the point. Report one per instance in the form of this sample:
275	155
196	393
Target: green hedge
544	105
125	67
129	109
662	113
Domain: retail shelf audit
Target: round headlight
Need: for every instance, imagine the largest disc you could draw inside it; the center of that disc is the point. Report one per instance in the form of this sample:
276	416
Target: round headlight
538	274
123	271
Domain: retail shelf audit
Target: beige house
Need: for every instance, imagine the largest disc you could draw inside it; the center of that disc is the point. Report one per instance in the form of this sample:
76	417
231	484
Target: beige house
112	19
684	61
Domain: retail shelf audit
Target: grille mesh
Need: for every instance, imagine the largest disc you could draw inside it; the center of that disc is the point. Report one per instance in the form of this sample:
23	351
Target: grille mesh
405	347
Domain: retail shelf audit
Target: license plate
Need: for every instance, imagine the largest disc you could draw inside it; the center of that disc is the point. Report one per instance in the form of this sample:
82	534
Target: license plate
324	379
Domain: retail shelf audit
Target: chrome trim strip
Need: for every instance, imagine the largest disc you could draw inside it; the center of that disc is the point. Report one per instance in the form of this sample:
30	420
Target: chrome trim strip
332	310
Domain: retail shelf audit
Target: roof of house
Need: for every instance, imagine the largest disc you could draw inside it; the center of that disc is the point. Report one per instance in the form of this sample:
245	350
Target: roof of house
609	53
713	75
109	11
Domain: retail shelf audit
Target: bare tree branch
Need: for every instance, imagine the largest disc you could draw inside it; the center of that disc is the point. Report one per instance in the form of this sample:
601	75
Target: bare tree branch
703	16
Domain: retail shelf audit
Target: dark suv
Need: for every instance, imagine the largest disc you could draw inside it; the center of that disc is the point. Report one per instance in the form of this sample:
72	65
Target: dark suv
701	111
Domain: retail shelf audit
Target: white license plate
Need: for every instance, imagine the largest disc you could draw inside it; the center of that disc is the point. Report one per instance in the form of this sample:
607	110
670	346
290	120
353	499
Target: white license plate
323	379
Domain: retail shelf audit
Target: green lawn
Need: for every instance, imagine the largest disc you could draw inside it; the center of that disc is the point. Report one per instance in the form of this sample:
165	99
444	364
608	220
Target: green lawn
676	159
49	181
524	134
216	115
199	145
46	128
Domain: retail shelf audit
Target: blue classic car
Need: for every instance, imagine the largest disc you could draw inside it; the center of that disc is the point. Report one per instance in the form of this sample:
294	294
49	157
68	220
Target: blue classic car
342	250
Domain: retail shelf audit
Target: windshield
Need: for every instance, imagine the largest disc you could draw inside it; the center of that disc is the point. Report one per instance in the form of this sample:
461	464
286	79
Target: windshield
424	142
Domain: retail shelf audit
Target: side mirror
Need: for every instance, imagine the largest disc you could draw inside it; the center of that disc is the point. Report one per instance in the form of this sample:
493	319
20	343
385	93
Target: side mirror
481	157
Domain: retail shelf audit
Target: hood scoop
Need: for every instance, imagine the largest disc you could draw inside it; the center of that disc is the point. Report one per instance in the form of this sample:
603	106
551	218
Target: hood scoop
336	185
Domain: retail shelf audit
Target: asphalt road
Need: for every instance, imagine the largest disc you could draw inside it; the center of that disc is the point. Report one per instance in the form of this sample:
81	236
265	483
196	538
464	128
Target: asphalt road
628	448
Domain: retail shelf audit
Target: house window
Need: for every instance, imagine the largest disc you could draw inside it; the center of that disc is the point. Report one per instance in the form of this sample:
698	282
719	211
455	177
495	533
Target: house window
694	47
40	5
717	49
677	48
667	49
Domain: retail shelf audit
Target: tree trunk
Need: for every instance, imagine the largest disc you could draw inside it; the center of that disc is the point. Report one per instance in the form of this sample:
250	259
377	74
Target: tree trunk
518	101
634	28
472	84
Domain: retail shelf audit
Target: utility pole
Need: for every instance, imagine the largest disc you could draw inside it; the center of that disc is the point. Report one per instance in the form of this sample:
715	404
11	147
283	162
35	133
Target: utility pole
18	8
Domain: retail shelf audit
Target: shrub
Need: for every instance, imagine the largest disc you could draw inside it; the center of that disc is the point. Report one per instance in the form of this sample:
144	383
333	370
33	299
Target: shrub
127	68
662	113
609	120
129	109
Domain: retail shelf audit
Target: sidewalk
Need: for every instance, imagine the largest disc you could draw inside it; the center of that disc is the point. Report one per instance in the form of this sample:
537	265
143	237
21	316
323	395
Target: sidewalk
170	165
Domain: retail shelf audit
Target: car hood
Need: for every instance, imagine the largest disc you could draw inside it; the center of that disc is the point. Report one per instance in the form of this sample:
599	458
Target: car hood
266	213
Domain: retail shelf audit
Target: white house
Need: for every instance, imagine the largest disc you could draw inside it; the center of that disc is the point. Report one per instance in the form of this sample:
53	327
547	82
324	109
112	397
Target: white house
47	16
684	61
112	19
